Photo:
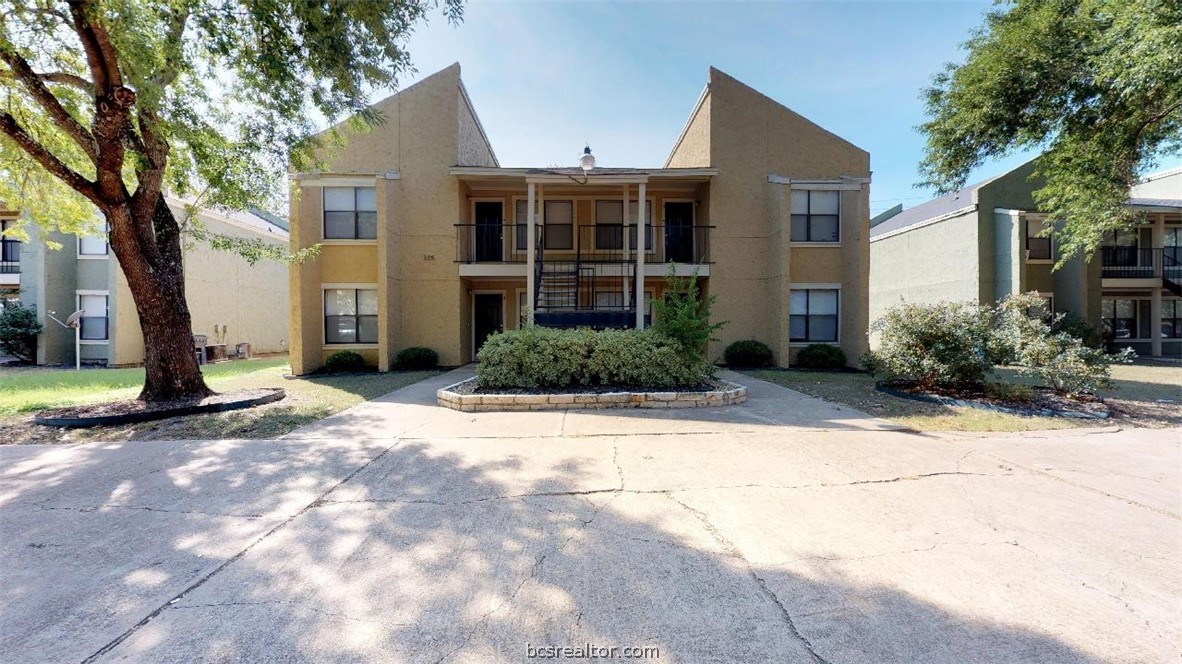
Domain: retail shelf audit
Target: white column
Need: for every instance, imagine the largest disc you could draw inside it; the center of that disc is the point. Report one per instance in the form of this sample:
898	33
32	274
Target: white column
530	258
624	229
1158	240
640	223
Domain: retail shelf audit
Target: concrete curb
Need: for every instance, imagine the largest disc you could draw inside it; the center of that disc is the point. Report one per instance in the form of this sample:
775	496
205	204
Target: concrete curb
448	397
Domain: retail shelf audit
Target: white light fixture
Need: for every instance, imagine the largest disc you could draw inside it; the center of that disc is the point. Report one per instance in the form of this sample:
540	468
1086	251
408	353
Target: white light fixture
587	161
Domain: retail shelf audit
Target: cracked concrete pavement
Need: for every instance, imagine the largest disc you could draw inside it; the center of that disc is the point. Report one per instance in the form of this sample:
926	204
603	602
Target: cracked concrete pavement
787	529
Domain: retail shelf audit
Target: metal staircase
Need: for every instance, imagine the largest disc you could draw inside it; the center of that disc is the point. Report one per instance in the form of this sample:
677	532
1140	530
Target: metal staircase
1171	271
558	285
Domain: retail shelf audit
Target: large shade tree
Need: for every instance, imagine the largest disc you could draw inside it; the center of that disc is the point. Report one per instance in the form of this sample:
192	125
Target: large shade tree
111	103
1095	85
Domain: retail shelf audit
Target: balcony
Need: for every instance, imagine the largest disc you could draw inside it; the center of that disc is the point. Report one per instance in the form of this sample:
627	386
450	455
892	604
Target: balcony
1123	262
602	244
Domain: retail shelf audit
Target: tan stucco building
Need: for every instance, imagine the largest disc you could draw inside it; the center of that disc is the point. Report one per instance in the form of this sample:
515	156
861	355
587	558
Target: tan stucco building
230	301
424	234
982	243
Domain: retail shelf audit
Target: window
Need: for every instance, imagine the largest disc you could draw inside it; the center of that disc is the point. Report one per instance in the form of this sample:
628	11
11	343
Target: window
1119	318
10	250
350	213
609	225
92	326
1037	248
93	245
815	216
1171	319
812	315
560	225
1172	246
350	316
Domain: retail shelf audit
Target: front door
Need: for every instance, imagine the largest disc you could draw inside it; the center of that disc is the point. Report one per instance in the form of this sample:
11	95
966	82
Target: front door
487	317
679	232
489	219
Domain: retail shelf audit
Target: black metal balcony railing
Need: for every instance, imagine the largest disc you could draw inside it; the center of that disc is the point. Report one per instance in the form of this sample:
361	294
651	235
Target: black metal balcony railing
10	256
599	243
1140	262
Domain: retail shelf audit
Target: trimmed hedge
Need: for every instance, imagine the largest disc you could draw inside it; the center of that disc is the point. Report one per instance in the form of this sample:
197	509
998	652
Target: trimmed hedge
748	353
416	358
539	357
820	356
344	360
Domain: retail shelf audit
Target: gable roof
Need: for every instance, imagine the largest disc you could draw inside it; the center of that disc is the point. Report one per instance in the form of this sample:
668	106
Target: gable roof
961	199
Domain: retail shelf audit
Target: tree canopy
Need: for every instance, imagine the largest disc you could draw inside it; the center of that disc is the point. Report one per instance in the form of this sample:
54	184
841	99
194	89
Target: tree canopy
1095	85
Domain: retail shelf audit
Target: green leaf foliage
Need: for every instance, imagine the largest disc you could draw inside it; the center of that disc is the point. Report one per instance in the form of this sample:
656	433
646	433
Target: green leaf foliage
416	358
18	331
684	315
820	356
748	353
1095	85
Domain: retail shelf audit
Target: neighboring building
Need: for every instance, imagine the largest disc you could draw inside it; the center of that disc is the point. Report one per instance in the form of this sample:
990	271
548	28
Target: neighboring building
980	244
230	301
10	257
426	237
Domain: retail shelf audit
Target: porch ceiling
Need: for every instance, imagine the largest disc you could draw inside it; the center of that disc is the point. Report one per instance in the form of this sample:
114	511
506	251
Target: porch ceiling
479	177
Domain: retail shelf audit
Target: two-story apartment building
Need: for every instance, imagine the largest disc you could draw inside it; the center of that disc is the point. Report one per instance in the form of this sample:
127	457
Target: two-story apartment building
427	240
230	300
982	243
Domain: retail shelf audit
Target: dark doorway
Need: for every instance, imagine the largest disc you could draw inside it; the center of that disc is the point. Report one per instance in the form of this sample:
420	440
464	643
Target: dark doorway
679	232
488	317
489	229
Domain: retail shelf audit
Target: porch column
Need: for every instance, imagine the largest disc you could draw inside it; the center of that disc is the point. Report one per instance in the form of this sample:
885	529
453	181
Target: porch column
530	244
1158	241
623	268
640	248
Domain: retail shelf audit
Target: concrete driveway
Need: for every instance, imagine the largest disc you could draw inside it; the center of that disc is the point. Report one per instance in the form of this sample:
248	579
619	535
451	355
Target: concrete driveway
787	530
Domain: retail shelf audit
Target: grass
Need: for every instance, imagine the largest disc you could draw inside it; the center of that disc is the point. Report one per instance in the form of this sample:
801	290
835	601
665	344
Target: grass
1146	394
24	391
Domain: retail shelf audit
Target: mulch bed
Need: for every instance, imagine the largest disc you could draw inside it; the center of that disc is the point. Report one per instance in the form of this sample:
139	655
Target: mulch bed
469	387
1043	402
132	411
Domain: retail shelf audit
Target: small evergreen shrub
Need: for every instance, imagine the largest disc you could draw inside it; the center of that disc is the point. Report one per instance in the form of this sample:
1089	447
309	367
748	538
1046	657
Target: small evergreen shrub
820	356
539	357
416	358
344	360
748	353
18	331
946	344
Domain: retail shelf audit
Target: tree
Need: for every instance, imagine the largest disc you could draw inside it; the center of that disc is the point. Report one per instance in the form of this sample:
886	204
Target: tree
109	103
1096	85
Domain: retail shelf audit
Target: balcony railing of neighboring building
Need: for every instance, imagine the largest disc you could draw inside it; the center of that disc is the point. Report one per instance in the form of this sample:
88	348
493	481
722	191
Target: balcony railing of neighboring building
587	244
10	256
1123	262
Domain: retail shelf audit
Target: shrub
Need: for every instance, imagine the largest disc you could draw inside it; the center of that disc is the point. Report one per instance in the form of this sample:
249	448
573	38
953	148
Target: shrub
748	353
538	357
820	356
344	360
947	344
416	358
18	331
684	316
1077	326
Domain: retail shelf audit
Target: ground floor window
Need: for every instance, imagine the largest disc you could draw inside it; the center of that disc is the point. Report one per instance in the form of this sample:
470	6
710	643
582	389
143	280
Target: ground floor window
350	316
1171	319
1119	317
92	326
812	315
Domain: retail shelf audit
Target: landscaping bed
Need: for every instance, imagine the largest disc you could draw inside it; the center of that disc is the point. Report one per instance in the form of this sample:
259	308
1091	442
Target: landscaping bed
1029	402
134	411
469	397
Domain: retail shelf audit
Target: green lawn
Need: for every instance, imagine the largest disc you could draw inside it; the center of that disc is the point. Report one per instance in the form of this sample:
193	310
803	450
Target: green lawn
24	391
1146	394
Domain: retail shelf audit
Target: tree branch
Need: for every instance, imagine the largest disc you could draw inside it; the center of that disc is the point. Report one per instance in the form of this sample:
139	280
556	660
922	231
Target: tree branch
45	98
65	78
11	128
96	55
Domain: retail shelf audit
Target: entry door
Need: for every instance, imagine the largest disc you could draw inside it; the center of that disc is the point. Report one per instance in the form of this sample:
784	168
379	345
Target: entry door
489	229
487	315
679	232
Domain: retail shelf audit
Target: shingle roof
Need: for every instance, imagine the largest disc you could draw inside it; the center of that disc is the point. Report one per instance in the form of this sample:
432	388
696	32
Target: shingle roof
936	207
1156	202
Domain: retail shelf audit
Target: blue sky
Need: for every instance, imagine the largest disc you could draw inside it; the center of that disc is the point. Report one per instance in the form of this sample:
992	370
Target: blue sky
547	77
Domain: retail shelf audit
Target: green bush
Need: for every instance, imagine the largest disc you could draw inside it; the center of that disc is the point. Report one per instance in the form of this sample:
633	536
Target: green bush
947	344
344	360
684	316
820	356
1077	326
18	331
748	353
416	358
538	357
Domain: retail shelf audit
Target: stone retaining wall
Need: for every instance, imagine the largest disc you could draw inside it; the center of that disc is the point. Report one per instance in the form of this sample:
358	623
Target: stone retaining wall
448	397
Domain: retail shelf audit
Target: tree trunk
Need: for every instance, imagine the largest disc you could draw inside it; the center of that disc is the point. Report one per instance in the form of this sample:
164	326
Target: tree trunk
158	289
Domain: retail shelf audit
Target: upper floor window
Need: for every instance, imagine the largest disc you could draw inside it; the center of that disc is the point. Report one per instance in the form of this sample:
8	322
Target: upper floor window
609	224
93	323
812	315
94	245
1037	248
559	229
350	213
816	216
350	316
10	250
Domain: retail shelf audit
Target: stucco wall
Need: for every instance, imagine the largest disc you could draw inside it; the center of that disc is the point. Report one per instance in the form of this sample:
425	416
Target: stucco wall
693	150
48	282
474	148
1167	184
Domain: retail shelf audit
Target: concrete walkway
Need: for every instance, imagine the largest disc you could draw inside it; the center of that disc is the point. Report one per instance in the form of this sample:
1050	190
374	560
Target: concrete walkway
787	529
